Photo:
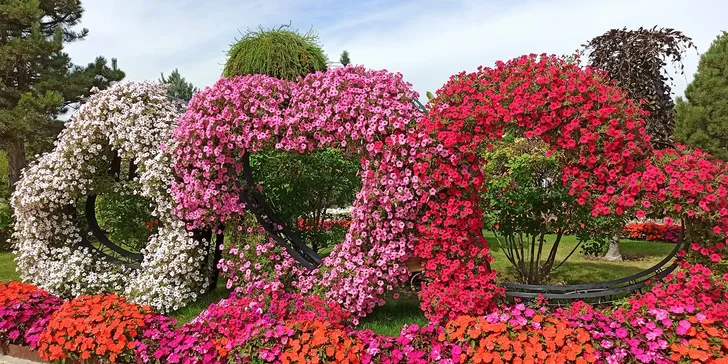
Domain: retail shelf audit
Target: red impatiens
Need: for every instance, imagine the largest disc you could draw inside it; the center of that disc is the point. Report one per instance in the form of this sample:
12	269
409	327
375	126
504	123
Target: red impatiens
24	313
652	231
102	326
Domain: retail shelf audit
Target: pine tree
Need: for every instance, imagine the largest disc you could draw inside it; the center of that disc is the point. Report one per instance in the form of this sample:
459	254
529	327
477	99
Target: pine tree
344	58
702	119
37	79
178	86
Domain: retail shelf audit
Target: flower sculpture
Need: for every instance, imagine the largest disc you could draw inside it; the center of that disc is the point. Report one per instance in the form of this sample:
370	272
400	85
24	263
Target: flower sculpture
134	120
364	111
599	132
420	179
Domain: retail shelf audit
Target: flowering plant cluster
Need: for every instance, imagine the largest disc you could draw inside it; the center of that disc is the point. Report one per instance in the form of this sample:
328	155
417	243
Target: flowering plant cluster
252	326
601	140
683	319
673	322
652	231
132	119
328	224
103	326
362	111
254	260
690	184
24	312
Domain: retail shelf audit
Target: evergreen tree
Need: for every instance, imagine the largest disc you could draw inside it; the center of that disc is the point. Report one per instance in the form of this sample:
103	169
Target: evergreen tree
702	119
178	86
37	79
344	58
637	60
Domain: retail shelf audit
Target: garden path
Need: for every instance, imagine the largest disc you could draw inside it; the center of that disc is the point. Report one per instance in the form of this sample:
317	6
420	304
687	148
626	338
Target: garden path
4	359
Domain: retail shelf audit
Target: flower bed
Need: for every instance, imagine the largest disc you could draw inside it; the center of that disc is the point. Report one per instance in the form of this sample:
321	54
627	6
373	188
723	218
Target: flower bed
419	199
328	224
25	311
652	231
683	319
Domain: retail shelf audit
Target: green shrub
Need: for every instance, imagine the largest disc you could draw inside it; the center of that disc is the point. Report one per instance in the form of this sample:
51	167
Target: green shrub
524	201
127	219
123	216
282	53
304	186
299	187
6	225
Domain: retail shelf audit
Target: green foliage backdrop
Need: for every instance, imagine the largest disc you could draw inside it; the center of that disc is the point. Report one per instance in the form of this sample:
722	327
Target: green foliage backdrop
304	186
527	202
6	213
702	119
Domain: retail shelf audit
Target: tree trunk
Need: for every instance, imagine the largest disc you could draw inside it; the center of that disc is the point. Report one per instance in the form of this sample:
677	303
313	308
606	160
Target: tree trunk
15	149
613	253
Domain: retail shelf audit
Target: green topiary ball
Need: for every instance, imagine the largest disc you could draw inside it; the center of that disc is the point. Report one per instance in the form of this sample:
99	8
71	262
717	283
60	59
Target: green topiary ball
281	53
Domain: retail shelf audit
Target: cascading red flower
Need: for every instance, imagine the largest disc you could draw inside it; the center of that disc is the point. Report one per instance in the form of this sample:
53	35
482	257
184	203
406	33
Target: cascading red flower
572	109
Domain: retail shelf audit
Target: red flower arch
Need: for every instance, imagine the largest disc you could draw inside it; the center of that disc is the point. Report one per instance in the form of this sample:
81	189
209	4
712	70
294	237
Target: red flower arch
573	109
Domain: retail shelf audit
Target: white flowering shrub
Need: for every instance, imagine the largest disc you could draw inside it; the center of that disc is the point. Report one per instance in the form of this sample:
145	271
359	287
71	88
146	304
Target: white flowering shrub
133	119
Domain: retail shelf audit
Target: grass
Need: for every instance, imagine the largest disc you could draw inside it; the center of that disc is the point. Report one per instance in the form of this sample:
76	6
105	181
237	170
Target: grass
191	311
579	269
7	267
389	319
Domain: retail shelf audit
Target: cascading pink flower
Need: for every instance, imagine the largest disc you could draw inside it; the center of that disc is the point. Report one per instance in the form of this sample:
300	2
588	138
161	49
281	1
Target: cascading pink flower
363	111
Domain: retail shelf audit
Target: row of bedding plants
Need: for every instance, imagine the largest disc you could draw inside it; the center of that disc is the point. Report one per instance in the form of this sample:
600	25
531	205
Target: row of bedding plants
652	231
683	319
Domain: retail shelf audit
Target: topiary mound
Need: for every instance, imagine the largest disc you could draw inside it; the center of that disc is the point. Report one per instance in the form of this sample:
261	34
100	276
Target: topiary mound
280	53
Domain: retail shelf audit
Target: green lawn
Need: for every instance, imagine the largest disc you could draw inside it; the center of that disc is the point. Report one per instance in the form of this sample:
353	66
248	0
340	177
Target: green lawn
192	310
578	269
389	319
7	267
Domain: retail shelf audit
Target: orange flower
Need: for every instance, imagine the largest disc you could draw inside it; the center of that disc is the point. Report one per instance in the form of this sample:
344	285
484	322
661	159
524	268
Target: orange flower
102	325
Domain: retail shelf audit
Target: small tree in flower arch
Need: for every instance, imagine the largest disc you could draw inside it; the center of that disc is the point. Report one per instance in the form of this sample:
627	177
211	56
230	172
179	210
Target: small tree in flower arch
525	200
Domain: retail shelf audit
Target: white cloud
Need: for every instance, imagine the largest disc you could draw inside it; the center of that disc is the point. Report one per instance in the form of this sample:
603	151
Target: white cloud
427	41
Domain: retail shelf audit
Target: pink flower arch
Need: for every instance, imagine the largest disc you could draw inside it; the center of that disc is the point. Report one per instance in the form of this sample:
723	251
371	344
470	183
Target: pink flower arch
368	112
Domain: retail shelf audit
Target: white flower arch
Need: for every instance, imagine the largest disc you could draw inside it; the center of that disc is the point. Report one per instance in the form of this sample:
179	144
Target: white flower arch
133	119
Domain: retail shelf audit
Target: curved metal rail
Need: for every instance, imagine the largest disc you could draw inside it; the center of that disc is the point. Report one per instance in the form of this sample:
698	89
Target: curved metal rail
603	292
104	247
99	243
256	203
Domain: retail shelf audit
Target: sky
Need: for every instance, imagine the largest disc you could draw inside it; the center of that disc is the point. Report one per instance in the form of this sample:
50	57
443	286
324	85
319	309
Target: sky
425	40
